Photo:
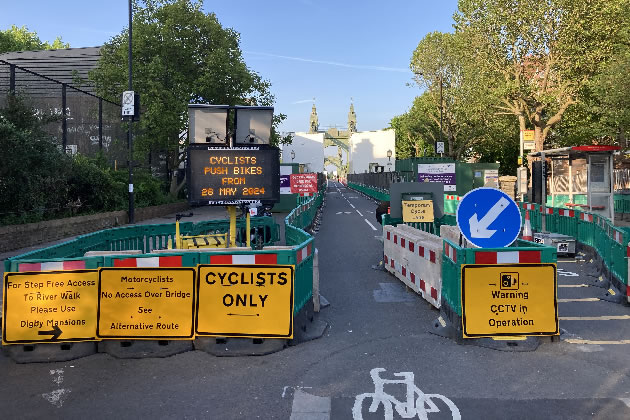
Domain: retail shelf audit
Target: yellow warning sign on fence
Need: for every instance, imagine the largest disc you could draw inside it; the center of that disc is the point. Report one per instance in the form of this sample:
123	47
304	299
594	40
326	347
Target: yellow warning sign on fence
509	299
49	306
245	301
417	211
146	303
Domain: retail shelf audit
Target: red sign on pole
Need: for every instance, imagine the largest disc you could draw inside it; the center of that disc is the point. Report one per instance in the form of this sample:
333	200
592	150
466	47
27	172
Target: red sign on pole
303	183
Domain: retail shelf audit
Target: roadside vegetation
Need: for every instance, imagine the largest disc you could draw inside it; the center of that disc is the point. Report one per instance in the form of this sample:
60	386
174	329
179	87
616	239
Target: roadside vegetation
39	182
558	67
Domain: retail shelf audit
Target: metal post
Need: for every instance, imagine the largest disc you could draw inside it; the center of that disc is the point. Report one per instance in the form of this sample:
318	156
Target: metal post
129	134
232	213
12	78
100	123
64	122
543	187
441	110
611	188
247	230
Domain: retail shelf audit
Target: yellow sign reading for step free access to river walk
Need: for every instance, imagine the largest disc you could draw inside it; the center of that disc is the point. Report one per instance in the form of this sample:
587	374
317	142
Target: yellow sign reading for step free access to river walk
417	211
146	303
245	301
49	306
509	300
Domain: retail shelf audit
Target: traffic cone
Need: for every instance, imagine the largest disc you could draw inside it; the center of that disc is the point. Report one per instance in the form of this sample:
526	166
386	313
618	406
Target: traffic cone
527	229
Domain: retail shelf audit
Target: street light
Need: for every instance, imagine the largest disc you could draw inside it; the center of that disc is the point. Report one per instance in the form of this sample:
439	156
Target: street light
389	155
292	155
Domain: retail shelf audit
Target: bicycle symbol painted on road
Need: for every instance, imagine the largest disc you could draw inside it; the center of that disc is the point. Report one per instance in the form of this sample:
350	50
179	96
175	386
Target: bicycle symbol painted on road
417	404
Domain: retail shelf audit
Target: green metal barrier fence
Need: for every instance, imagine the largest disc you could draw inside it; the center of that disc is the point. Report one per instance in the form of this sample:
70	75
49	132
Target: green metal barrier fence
609	241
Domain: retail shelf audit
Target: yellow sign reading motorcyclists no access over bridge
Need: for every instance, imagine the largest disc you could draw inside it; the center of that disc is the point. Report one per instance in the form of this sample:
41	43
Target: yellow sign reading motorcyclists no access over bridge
245	301
49	306
509	299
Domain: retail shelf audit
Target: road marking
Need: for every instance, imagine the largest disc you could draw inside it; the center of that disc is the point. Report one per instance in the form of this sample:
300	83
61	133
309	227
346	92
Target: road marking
595	342
352	205
418	403
566	273
594	318
371	225
306	406
579	300
573	285
57	396
358	212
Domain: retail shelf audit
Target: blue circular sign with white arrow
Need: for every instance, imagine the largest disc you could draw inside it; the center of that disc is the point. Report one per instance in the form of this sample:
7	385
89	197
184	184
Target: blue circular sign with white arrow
489	218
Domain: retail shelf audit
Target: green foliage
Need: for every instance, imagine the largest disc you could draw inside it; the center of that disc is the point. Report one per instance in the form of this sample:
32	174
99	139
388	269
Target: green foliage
181	55
32	169
38	182
557	66
21	39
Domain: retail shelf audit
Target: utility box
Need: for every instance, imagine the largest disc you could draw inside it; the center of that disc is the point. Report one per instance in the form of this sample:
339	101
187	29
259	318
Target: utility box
565	245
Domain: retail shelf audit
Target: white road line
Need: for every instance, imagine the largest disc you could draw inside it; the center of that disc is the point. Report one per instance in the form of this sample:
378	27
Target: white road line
598	342
306	406
573	285
594	318
358	212
352	205
579	300
371	225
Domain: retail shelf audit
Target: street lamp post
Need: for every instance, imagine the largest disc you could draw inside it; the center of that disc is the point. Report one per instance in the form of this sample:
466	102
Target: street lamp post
389	159
129	134
292	155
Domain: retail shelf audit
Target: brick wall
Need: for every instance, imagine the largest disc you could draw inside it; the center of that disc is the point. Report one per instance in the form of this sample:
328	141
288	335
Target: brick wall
22	236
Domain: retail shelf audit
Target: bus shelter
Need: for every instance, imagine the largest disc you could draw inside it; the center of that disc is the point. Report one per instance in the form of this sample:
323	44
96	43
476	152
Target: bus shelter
580	176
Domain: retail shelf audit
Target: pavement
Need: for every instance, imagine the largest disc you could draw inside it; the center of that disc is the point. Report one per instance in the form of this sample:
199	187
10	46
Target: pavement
376	354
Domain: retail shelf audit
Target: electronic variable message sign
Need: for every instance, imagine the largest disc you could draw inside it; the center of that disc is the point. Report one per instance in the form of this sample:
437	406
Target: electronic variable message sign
49	306
509	299
245	301
224	176
146	303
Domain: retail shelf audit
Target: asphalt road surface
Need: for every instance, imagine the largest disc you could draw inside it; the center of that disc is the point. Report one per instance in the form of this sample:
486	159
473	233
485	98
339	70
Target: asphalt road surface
378	334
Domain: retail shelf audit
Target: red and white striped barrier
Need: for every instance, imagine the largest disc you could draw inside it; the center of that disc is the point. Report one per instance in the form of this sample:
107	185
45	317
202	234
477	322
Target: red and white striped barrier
453	197
415	258
528	206
170	261
586	217
507	257
52	265
566	213
617	236
549	210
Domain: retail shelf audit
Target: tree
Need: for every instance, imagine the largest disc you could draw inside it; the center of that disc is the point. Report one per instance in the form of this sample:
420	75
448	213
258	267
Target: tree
180	55
21	39
544	52
416	130
455	89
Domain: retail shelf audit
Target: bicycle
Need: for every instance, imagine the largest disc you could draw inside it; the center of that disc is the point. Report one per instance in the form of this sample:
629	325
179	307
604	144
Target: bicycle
412	407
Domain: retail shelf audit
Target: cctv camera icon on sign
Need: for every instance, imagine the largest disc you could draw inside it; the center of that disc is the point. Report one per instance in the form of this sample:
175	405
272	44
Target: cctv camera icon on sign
509	281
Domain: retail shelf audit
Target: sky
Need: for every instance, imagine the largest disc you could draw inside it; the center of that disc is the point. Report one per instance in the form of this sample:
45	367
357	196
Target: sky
332	50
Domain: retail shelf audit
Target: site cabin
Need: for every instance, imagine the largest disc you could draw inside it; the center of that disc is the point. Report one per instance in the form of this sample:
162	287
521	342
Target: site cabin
581	177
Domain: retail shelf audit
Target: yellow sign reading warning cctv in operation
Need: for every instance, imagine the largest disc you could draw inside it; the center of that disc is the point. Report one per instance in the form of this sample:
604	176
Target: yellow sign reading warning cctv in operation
245	301
509	299
146	303
49	306
417	211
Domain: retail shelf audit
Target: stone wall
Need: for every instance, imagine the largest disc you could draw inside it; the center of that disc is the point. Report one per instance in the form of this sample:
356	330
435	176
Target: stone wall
21	236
